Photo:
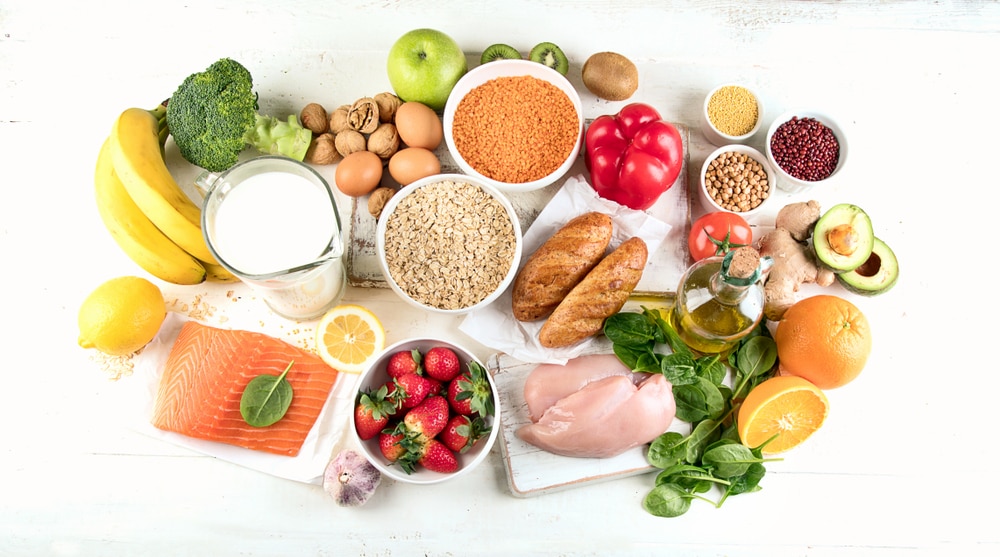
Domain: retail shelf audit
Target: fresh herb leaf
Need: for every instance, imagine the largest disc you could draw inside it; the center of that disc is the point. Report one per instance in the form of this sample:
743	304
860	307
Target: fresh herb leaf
667	500
266	399
669	449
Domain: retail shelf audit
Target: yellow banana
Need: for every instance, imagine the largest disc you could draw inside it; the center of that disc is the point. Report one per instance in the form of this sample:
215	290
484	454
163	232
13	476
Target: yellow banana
218	273
138	160
145	244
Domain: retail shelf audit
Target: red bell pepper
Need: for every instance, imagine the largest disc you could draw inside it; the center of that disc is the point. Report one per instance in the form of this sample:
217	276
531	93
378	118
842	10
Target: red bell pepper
633	156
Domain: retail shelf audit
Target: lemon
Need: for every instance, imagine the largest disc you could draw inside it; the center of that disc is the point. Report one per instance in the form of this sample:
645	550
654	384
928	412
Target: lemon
348	337
121	315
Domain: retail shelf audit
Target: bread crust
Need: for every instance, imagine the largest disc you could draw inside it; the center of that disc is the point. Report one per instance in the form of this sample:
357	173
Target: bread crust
601	294
559	264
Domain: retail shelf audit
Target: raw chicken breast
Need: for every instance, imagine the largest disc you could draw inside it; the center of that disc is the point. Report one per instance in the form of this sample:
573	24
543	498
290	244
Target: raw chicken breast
548	383
605	417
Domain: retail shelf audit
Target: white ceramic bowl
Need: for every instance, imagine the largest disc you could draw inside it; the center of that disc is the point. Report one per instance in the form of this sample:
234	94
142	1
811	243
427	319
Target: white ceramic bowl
510	68
375	376
786	181
716	136
710	205
387	213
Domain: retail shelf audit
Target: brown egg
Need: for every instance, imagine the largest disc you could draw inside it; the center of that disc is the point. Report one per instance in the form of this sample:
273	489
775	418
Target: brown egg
358	173
413	163
418	125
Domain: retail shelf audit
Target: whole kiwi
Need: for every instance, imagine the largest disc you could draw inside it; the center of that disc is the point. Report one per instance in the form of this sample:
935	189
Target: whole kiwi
610	76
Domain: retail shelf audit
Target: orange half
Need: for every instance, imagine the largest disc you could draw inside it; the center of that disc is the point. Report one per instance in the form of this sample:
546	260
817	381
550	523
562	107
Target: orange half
788	408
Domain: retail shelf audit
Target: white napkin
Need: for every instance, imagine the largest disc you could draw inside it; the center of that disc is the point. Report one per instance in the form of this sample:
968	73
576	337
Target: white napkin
495	325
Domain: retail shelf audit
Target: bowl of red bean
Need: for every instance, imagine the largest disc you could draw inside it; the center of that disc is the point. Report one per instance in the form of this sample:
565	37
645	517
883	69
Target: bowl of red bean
806	148
737	179
515	124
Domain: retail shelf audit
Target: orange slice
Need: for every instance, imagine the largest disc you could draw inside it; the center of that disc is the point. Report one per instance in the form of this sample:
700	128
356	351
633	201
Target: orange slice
348	337
787	406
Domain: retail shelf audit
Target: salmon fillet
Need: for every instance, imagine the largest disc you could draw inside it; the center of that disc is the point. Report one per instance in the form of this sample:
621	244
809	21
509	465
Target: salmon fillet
204	378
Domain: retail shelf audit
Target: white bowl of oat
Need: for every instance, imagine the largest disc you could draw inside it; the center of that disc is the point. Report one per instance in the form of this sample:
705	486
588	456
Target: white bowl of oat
449	243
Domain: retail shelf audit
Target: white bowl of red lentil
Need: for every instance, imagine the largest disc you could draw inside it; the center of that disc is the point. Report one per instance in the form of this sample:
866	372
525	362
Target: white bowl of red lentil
736	179
806	148
731	113
515	124
449	243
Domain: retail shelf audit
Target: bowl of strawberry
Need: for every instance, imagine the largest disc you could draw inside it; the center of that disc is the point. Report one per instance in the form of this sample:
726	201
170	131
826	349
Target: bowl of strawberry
426	411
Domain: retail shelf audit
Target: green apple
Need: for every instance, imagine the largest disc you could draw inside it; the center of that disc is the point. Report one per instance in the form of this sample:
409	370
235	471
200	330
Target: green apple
424	65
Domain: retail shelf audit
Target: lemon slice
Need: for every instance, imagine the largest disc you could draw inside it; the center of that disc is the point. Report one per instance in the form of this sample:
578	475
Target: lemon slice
348	337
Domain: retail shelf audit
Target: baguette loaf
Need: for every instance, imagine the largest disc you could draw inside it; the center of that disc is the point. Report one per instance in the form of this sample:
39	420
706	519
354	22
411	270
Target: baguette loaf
601	294
559	264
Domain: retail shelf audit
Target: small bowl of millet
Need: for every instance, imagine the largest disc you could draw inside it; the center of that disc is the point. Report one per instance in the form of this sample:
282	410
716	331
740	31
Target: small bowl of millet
806	148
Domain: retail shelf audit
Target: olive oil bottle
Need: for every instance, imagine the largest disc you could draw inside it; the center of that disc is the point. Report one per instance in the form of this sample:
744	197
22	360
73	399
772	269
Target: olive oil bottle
720	300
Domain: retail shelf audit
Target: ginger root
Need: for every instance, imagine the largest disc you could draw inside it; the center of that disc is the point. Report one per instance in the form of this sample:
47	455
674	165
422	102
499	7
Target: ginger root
794	262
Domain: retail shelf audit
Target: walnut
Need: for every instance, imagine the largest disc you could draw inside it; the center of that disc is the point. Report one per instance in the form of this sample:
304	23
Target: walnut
387	105
349	141
363	115
339	120
378	199
384	141
323	150
314	117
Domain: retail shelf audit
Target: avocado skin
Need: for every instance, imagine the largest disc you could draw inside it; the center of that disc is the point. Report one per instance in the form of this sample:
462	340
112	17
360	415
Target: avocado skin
843	213
875	276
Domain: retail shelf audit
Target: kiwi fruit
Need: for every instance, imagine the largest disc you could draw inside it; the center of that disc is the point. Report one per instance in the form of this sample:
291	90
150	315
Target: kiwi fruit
610	76
551	56
499	51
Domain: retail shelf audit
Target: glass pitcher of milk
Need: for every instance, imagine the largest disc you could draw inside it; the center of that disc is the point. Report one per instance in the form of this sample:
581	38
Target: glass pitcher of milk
273	222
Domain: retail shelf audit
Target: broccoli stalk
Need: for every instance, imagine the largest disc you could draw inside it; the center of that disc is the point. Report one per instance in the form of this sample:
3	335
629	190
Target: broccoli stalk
213	115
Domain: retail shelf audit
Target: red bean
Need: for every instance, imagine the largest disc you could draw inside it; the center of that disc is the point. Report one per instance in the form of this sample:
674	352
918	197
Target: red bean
805	149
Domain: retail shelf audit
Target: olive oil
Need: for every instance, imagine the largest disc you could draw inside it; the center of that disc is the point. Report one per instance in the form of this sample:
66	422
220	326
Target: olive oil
717	305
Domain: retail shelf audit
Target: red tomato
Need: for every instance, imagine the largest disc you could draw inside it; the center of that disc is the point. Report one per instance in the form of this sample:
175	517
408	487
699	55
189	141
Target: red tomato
717	233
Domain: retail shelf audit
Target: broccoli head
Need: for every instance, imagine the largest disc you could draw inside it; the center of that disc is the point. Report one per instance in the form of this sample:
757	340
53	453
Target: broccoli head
213	115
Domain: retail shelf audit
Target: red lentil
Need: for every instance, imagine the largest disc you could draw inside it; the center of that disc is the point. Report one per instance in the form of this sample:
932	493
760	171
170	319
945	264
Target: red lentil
515	129
805	149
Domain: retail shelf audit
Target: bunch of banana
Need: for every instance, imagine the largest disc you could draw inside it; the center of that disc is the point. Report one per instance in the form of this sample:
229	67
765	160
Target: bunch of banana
147	213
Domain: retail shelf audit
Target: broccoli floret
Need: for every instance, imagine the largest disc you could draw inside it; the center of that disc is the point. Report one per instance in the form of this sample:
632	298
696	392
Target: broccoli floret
213	115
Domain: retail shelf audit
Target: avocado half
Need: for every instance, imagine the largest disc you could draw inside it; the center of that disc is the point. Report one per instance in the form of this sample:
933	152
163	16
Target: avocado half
843	238
876	275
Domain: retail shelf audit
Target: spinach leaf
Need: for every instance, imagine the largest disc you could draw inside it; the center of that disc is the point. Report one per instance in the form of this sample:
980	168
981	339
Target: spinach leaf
667	500
757	356
266	399
679	369
630	329
701	436
667	450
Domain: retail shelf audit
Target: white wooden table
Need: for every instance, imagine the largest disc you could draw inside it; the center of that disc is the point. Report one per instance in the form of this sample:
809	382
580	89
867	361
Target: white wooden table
904	465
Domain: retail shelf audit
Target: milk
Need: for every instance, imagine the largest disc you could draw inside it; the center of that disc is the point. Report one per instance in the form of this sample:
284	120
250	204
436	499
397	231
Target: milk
273	223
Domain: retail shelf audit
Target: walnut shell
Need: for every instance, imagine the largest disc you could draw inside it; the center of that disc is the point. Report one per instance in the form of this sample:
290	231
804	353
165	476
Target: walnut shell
378	199
387	104
323	150
349	141
339	119
314	117
384	141
363	115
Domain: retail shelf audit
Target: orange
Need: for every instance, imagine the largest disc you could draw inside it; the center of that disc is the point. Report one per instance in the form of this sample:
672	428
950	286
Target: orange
825	339
787	406
348	337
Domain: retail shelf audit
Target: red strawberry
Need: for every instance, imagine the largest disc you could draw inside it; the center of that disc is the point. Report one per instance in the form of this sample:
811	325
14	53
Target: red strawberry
437	387
403	362
391	446
441	363
438	458
411	390
372	412
470	392
462	432
427	419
